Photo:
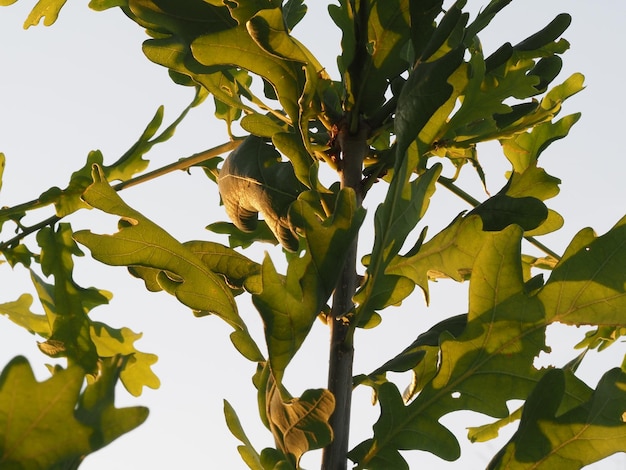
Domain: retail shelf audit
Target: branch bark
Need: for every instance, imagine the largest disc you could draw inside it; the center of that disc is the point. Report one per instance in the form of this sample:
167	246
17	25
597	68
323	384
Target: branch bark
353	150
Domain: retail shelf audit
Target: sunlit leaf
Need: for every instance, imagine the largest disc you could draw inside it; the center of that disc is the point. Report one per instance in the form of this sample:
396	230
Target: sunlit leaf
505	329
49	425
19	313
248	454
394	220
253	180
136	372
96	406
141	242
65	303
48	10
235	46
300	424
588	286
583	435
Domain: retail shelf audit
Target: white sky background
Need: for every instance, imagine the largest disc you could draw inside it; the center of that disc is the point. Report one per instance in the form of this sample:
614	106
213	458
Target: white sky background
84	84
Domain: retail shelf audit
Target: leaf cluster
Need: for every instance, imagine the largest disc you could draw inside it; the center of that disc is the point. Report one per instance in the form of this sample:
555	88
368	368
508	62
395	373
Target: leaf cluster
415	98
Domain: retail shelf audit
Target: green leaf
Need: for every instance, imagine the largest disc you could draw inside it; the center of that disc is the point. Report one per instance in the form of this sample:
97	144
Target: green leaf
19	313
501	210
248	454
38	427
101	5
505	329
234	266
96	405
293	12
583	435
41	425
402	209
261	125
288	306
68	200
135	372
253	180
421	356
66	303
523	150
343	16
426	91
48	10
420	434
588	285
236	47
237	237
141	242
450	253
387	35
300	424
423	25
329	240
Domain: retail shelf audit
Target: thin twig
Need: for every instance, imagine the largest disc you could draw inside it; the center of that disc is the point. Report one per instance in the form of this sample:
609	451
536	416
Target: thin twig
182	164
449	184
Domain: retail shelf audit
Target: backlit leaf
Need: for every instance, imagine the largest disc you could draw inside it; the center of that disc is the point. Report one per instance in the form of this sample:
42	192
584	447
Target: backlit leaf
49	425
19	313
65	303
583	435
136	372
588	285
248	454
505	329
48	10
141	242
300	424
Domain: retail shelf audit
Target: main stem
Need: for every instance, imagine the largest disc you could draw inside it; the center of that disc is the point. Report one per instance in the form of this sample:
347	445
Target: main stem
353	149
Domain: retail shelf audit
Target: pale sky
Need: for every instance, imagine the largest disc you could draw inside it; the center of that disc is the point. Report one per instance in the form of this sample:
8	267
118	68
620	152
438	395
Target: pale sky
84	84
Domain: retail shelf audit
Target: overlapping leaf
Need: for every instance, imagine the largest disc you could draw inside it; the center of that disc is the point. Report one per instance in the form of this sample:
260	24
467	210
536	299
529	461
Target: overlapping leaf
424	93
49	425
142	243
394	220
66	303
505	329
290	304
588	285
135	372
19	313
248	454
450	253
300	424
581	436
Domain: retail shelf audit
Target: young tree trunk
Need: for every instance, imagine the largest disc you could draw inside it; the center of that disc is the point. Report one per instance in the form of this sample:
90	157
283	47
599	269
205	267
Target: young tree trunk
353	150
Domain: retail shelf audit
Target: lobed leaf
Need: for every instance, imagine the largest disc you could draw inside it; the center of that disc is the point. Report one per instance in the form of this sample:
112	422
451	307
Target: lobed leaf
65	303
140	242
583	435
404	206
505	329
289	305
136	372
588	285
48	10
248	454
19	313
49	425
300	424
